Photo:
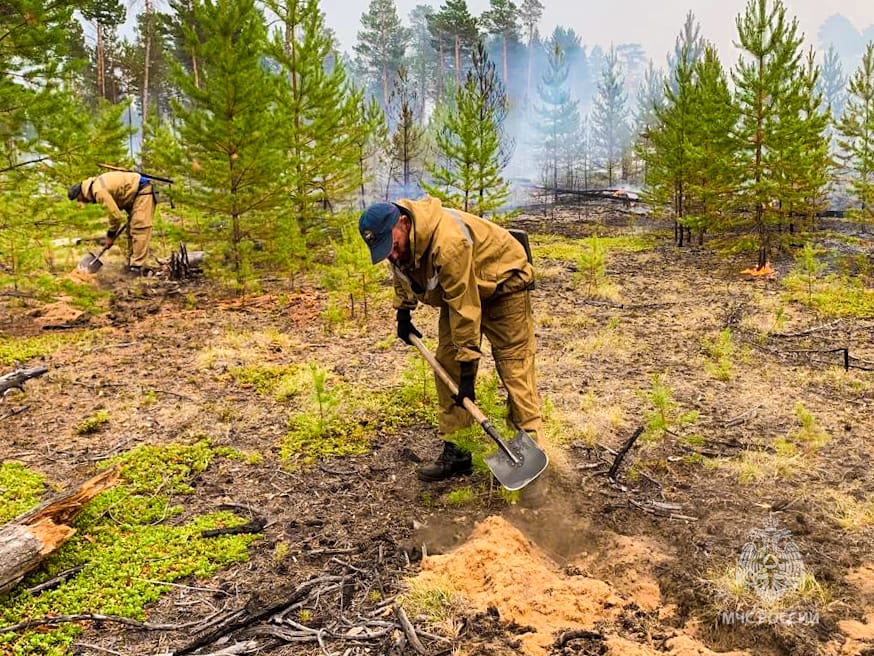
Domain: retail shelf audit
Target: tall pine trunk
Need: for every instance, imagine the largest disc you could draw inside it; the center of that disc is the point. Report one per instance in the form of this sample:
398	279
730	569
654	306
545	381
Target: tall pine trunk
101	70
147	60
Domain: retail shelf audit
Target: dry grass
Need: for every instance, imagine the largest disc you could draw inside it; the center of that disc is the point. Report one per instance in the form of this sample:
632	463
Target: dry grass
850	512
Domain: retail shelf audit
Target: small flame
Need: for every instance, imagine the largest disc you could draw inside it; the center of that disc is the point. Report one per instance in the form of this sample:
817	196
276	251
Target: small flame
760	272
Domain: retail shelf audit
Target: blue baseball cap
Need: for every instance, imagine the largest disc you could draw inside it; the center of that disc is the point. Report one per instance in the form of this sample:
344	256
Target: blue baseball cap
375	226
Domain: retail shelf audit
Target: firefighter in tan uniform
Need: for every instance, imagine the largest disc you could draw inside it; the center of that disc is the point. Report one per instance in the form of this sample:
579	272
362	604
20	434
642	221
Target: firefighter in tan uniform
479	276
117	191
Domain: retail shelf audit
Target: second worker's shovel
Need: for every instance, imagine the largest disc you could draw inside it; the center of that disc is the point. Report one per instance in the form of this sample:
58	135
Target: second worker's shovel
91	262
516	463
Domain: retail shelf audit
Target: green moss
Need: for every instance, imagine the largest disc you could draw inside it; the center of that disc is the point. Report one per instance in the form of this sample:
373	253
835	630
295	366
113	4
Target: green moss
166	468
93	423
17	351
20	489
266	379
130	555
308	439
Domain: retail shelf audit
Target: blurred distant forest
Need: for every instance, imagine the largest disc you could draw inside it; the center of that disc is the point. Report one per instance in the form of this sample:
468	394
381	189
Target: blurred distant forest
276	137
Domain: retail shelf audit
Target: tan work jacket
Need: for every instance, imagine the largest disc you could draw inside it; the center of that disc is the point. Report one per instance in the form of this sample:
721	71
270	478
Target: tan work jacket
459	260
115	190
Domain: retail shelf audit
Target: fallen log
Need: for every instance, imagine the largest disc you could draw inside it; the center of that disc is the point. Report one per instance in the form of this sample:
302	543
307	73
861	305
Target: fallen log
29	538
16	379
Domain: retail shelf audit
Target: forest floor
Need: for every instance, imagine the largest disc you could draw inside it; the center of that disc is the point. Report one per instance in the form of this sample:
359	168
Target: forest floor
758	436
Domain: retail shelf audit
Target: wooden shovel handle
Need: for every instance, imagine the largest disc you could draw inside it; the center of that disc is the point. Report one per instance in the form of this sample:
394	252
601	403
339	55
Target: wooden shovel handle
469	405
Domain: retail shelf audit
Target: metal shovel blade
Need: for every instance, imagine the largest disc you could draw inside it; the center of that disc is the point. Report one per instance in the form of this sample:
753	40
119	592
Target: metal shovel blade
90	263
531	461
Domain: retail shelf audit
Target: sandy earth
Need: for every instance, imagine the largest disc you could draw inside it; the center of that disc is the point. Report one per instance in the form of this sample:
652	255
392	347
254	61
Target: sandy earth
635	566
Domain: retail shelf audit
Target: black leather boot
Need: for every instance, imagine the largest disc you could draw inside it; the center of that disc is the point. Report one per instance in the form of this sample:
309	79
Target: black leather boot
452	462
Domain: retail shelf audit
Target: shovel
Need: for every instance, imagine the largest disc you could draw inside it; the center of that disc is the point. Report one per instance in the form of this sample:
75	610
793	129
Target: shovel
91	262
515	463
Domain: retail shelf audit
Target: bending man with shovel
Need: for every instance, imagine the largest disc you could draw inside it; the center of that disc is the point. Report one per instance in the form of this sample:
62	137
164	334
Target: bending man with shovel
117	191
479	275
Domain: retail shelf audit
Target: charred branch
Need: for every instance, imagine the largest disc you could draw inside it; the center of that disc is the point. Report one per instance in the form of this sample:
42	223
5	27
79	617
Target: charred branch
617	461
16	379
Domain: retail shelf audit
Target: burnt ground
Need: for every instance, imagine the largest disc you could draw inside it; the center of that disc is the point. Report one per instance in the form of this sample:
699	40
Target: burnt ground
355	527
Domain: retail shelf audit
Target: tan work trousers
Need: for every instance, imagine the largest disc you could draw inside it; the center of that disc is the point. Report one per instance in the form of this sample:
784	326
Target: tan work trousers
508	324
140	232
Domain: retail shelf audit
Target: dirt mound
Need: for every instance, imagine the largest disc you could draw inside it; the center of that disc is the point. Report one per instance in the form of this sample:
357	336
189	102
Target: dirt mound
498	567
59	313
860	634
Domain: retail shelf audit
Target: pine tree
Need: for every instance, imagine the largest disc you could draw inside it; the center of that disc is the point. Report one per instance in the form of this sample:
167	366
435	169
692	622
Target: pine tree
381	47
455	34
33	52
767	80
571	45
407	143
856	141
107	16
530	12
810	165
667	158
833	82
322	114
556	119
174	28
35	64
502	20
371	143
423	65
610	117
650	100
227	127
632	60
710	146
470	140
688	46
146	68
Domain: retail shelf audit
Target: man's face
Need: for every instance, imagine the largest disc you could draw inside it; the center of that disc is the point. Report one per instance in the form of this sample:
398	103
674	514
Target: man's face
400	242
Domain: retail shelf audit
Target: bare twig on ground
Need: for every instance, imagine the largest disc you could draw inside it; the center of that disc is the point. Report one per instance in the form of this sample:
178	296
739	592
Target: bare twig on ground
110	347
660	510
409	630
56	581
94	617
88	645
255	526
15	411
809	331
169	393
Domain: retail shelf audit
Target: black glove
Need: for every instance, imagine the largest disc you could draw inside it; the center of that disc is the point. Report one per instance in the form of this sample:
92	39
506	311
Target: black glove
406	327
466	382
